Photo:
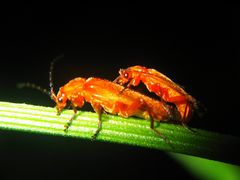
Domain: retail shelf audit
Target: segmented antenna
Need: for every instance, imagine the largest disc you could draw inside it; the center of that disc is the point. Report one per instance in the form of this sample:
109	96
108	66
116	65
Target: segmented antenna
51	72
39	88
33	86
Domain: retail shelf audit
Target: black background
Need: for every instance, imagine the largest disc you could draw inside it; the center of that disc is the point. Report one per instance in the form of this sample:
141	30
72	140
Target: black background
196	47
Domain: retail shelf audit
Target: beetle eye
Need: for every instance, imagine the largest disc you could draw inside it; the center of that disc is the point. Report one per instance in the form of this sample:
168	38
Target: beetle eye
60	100
126	75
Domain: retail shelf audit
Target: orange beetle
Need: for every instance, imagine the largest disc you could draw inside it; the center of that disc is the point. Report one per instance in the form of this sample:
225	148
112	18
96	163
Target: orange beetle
162	86
105	95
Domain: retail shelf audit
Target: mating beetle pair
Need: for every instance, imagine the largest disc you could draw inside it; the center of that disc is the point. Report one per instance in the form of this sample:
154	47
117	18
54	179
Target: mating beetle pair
115	98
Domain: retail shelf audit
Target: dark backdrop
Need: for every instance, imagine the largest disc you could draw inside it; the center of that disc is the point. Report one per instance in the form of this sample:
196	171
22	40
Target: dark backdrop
196	47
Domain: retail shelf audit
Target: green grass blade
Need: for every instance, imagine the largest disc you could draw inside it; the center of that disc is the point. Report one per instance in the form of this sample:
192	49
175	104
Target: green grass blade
132	131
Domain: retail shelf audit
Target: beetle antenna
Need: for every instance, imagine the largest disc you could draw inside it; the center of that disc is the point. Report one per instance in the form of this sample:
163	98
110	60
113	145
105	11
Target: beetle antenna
33	86
52	94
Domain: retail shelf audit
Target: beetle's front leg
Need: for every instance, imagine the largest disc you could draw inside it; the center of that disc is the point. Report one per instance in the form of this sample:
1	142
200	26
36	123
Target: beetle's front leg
68	124
133	82
58	111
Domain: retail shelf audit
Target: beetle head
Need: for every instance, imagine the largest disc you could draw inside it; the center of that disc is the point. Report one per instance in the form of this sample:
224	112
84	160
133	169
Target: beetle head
130	73
125	76
60	100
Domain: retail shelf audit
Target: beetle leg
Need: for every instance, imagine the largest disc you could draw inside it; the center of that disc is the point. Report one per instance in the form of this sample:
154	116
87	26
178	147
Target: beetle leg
128	86
99	110
134	82
67	125
158	132
116	80
122	90
186	111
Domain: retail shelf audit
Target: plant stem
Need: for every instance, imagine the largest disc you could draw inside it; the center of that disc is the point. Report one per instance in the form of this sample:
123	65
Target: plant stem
132	131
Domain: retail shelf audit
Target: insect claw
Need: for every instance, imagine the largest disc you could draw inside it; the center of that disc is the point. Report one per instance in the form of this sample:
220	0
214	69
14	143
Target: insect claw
94	137
66	126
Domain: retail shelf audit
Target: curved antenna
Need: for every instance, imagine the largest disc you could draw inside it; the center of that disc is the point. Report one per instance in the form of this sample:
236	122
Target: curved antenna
33	86
52	94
